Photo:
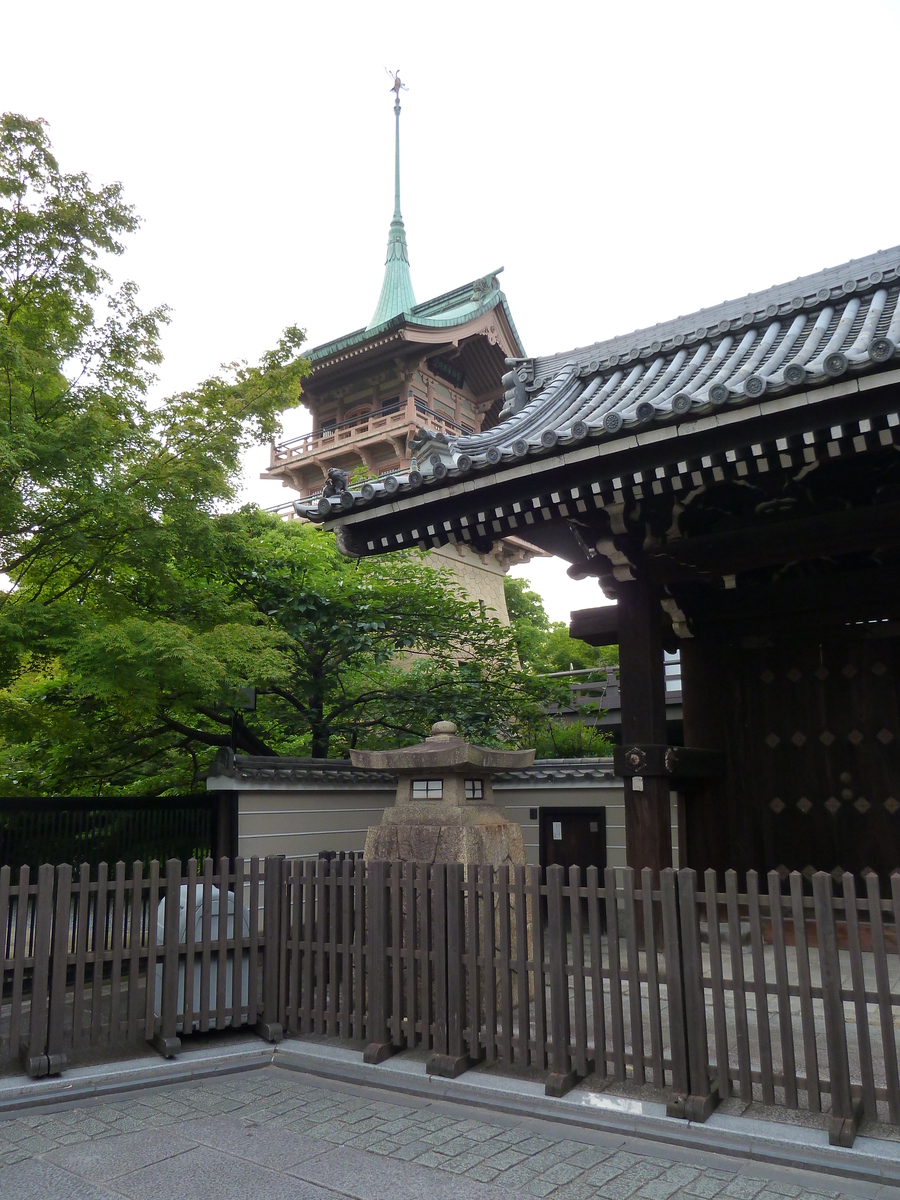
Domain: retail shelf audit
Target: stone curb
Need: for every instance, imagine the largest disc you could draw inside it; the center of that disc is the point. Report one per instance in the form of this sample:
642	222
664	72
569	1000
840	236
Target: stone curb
798	1147
870	1160
86	1082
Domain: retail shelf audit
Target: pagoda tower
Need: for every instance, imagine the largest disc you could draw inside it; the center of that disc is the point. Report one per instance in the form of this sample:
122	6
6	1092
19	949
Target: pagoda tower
434	367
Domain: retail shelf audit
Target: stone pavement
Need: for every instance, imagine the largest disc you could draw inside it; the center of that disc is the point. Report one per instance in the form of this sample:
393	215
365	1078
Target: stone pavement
273	1134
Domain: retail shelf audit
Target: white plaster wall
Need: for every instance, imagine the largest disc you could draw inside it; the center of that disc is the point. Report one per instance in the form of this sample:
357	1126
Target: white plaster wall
299	821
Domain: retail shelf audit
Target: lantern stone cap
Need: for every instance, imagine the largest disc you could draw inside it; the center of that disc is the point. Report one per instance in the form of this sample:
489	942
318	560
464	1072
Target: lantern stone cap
444	751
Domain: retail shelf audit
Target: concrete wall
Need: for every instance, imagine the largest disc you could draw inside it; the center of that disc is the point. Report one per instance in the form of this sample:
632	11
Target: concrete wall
282	812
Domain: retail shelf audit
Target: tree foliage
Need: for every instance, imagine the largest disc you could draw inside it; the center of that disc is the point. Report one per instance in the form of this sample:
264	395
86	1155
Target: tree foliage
341	654
545	646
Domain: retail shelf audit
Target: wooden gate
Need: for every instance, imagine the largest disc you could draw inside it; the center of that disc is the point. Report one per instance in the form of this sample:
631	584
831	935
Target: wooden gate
817	751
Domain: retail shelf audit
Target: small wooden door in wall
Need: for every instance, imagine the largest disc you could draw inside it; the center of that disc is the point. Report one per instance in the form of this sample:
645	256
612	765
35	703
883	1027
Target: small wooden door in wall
573	837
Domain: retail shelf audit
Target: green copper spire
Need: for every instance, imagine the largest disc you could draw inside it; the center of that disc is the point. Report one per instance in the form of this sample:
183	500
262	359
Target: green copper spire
397	294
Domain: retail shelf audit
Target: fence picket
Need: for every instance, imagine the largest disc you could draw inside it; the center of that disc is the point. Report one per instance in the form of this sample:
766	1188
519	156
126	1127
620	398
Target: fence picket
616	1015
782	990
523	1016
59	965
425	942
633	971
759	990
237	956
321	931
378	1032
396	955
408	962
674	986
306	952
738	985
561	1076
101	904
359	933
830	972
82	931
473	971
456	984
222	945
117	949
346	937
577	987
253	907
858	983
150	1021
883	989
40	970
539	986
135	944
598	1001
504	954
490	971
167	1042
807	1017
692	981
648	919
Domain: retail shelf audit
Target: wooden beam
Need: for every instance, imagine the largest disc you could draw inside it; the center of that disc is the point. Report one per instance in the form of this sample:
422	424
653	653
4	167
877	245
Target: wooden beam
774	542
596	626
825	599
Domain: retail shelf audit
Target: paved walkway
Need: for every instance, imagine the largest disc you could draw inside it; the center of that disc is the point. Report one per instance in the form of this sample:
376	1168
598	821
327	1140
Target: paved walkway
271	1134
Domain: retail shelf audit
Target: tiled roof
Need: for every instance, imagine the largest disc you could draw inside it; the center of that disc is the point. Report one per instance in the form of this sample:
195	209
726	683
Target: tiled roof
456	307
338	772
790	338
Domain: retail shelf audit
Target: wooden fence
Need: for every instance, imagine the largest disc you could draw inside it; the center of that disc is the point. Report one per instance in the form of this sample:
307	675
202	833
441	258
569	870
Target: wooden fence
700	994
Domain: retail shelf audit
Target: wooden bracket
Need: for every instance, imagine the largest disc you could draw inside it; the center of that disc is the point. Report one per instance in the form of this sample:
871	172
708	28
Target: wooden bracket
168	1047
557	1085
378	1052
673	762
270	1031
693	1108
39	1065
448	1066
842	1131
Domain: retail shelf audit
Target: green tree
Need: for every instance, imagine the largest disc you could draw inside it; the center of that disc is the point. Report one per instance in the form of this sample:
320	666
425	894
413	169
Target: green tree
92	475
341	654
545	646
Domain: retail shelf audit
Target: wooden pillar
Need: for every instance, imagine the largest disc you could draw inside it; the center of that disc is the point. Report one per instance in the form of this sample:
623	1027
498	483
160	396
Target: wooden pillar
708	832
648	829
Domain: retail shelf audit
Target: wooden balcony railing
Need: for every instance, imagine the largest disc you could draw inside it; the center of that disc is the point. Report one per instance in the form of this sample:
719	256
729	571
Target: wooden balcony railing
343	435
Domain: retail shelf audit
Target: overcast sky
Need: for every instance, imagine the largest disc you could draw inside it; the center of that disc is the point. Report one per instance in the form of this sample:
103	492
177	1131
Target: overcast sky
625	162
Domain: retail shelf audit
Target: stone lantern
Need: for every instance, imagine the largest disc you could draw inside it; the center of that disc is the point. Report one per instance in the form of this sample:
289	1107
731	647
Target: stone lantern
445	810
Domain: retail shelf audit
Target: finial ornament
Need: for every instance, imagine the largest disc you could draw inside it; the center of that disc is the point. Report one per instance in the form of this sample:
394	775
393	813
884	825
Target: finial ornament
397	87
397	294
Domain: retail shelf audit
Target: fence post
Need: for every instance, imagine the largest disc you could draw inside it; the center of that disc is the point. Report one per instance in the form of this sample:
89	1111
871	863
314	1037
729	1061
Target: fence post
678	1102
33	1056
702	1098
561	1078
845	1115
378	1035
56	1059
167	1041
456	1060
268	1026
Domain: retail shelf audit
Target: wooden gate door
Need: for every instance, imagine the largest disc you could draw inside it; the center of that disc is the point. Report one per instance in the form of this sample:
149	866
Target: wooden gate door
820	751
573	837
